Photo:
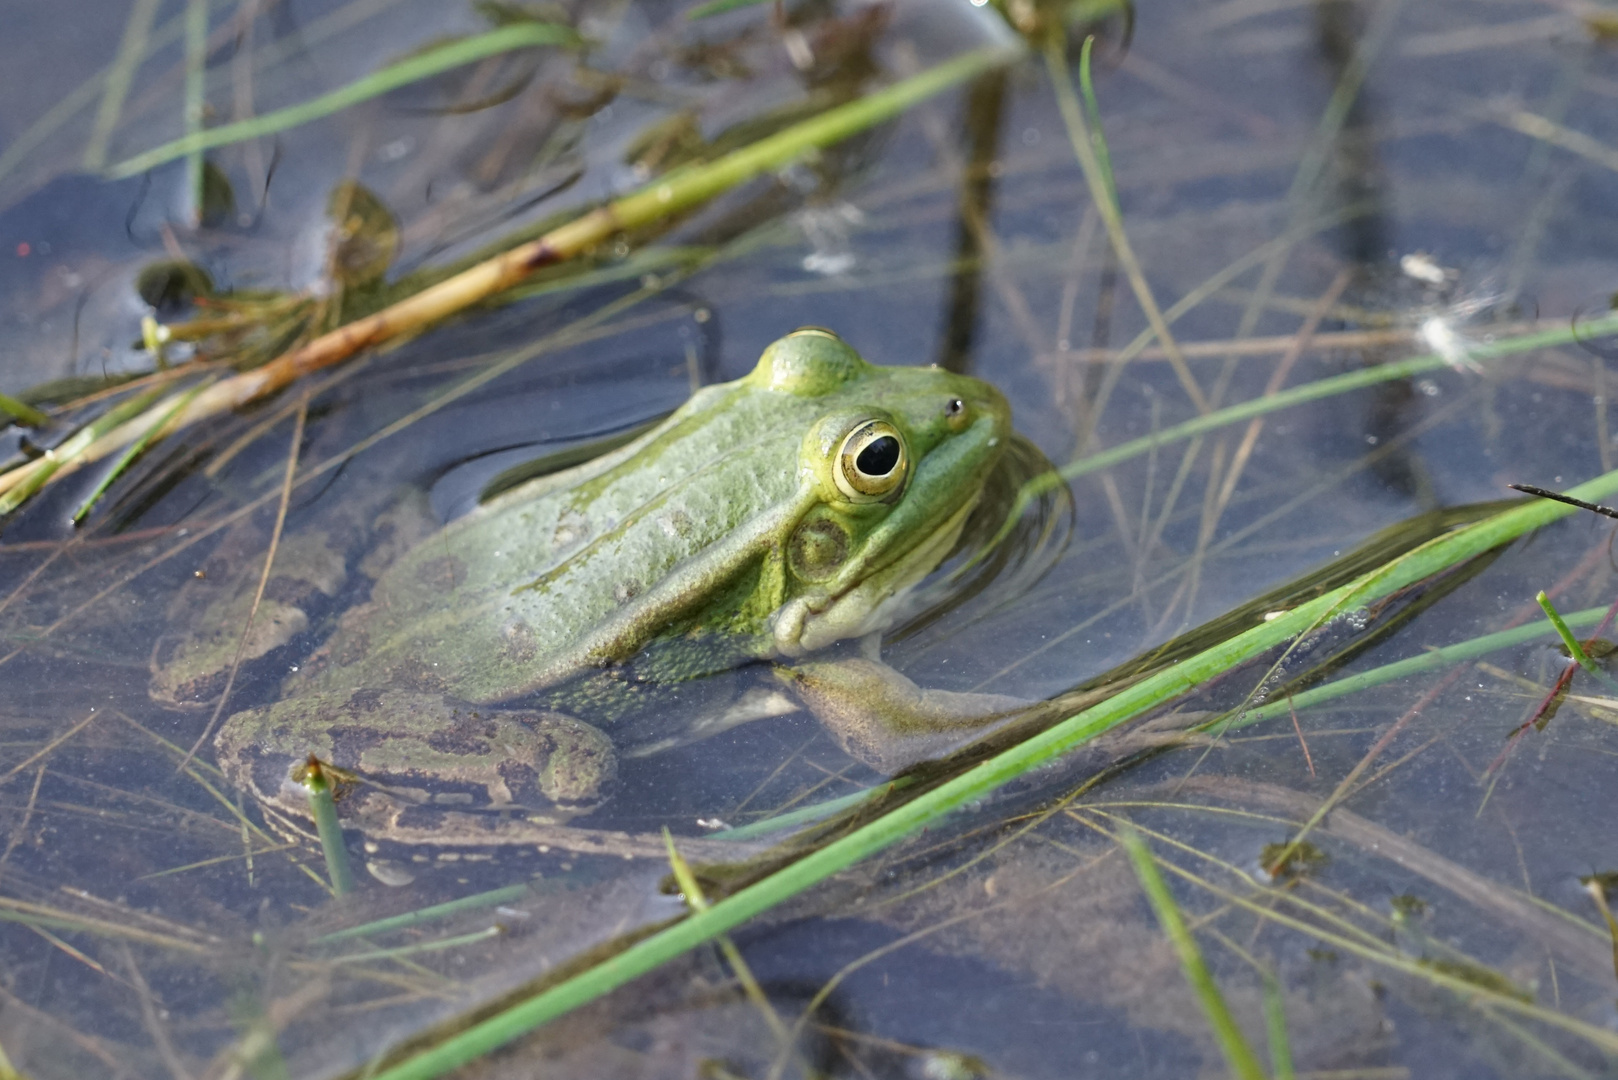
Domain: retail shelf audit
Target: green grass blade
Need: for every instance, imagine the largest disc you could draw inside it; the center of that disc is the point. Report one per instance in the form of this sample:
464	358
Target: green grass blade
196	85
716	7
427	914
422	66
1571	643
131	51
136	448
23	412
419	947
1092	111
323	806
649	953
1233	1044
1415	665
1275	1026
42	469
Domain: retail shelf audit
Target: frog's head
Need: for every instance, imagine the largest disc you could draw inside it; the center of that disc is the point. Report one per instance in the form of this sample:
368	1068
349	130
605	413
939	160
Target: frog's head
887	475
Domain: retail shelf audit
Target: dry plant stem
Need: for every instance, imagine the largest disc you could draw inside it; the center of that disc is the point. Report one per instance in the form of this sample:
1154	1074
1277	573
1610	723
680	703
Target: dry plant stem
263	579
150	1017
1598	893
1569	939
678	191
1381	744
691	889
1565	138
1300	342
1364	763
1100	192
45	750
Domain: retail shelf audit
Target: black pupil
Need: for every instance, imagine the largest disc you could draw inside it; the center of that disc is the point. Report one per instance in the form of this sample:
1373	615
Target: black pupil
879	457
954	407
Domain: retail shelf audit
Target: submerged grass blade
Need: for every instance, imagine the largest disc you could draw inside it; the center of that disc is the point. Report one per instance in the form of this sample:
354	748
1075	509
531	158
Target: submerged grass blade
419	947
1098	178
115	88
1348	382
1239	1055
647	954
421	66
427	914
128	457
196	85
1275	1027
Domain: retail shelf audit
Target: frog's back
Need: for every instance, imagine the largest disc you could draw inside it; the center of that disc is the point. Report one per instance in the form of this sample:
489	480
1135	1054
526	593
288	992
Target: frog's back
499	603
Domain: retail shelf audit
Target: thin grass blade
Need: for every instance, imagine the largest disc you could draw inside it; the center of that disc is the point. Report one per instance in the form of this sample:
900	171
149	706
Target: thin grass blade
425	65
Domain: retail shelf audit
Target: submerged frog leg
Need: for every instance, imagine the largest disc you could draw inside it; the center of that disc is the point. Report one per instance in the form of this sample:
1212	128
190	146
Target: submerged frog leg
884	719
191	662
759	703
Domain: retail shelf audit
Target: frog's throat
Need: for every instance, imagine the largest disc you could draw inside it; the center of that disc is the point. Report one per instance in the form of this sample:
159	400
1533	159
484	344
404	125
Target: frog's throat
815	620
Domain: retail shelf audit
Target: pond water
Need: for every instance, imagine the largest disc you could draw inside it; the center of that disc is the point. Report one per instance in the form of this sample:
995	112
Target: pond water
1308	189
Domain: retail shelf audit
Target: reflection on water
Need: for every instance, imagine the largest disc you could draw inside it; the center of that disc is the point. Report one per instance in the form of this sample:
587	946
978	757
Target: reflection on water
1300	173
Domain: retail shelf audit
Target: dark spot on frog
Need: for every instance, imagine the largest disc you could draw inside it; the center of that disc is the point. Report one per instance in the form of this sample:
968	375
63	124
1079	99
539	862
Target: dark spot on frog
522	780
416	674
444	572
293	591
361	702
468	734
200	690
349	647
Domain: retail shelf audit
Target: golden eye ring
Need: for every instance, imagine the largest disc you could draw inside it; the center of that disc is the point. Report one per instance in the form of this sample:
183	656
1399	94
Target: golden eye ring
872	463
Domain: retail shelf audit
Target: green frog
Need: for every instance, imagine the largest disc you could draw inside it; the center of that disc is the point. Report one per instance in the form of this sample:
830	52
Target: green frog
504	663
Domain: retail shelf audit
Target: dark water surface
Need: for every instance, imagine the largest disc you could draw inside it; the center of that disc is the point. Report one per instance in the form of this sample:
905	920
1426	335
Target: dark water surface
1445	173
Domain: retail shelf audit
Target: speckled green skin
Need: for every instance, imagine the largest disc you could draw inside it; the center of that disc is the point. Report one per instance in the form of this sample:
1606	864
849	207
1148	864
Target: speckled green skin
719	536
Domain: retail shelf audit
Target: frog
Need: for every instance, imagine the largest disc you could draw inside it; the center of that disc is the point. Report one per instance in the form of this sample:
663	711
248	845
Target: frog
504	663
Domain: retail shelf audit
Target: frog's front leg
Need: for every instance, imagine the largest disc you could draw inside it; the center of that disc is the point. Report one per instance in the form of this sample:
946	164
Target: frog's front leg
886	720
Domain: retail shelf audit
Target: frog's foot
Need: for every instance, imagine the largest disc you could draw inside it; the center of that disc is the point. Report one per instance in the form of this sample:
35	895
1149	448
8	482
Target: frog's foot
885	720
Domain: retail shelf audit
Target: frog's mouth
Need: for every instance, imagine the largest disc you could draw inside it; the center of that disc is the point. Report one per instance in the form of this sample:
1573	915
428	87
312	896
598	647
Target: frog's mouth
809	623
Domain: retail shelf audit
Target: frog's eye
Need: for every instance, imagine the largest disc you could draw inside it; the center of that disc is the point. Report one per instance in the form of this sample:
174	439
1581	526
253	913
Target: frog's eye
957	415
872	463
